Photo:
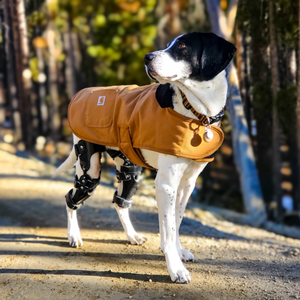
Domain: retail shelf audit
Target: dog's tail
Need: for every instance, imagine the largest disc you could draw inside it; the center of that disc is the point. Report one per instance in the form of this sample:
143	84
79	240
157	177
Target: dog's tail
67	164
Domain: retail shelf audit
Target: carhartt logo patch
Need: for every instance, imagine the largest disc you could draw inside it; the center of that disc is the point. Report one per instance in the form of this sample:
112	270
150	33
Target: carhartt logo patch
101	100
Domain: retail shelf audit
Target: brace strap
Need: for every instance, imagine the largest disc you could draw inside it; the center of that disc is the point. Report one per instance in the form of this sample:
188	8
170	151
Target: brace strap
127	172
85	186
86	150
121	202
86	183
70	203
114	153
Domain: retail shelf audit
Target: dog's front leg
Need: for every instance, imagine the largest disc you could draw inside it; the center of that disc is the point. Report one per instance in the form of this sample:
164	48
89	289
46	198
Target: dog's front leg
170	171
186	187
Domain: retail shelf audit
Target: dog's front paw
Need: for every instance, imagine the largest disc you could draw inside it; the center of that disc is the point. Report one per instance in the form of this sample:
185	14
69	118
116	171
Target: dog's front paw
75	239
177	270
185	255
179	274
136	238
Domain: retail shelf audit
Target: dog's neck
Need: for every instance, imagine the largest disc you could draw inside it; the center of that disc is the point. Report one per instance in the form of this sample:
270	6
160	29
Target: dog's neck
206	97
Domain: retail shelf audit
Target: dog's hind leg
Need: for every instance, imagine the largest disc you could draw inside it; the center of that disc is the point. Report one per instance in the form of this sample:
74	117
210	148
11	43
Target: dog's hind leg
74	235
128	176
185	189
87	178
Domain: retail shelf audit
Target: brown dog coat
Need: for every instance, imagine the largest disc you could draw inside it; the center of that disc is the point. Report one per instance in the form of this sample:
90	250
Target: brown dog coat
130	118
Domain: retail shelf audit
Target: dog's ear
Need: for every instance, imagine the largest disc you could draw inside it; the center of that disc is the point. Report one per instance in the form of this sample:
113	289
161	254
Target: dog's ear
216	55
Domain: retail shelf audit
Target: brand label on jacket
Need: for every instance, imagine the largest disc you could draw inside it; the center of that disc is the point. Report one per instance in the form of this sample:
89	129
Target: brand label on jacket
101	100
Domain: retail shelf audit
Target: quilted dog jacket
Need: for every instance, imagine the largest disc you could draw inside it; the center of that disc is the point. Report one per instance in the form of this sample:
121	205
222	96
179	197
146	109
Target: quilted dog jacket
130	118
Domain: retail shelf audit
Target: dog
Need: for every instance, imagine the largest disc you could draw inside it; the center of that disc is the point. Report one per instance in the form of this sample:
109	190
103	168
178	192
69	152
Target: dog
192	86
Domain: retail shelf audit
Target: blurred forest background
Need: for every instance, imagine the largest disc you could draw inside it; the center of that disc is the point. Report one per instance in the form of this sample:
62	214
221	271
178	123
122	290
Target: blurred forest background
50	49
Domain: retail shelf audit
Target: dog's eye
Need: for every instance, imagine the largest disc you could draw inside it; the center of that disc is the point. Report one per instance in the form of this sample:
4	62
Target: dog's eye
181	46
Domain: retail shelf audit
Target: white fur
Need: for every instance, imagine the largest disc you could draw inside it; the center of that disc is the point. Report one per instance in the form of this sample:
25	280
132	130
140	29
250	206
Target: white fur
169	69
176	176
207	97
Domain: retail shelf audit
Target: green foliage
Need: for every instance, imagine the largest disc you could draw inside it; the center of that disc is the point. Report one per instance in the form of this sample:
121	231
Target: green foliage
111	34
114	33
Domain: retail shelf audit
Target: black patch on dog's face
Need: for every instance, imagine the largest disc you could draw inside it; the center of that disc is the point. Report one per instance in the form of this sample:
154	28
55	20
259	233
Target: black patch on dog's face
206	54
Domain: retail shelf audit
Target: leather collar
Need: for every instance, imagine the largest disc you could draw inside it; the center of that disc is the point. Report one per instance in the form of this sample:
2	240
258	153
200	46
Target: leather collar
202	118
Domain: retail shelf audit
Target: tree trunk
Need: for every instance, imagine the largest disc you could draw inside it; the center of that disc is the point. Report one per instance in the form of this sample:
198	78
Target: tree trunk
298	112
43	110
169	24
23	77
213	7
2	69
275	125
70	61
15	119
242	71
55	122
252	194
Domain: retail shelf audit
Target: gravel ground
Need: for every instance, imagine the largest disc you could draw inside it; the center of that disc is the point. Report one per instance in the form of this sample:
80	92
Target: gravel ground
231	261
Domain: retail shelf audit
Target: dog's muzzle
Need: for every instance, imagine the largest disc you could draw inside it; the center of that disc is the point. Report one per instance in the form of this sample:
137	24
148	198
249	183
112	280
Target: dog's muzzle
148	59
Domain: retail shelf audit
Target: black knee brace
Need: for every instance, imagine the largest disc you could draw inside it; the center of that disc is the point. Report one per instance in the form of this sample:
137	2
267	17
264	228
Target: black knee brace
129	173
85	185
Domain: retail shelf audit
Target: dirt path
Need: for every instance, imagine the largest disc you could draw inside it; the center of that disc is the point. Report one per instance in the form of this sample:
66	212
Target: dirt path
232	262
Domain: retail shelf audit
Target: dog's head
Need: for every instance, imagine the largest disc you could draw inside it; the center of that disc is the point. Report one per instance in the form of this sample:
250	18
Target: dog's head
197	56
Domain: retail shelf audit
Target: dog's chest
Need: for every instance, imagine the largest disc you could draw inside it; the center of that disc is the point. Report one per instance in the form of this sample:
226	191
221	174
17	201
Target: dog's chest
151	158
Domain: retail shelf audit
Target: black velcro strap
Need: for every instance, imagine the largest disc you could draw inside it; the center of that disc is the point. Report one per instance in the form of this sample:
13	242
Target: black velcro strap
121	201
80	148
85	183
127	172
123	176
114	153
131	169
69	201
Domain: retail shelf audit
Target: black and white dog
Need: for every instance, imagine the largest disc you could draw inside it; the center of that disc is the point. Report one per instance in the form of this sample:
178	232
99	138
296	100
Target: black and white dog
194	64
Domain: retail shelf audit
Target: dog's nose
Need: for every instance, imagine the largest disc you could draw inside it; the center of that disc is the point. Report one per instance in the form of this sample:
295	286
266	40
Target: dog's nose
148	57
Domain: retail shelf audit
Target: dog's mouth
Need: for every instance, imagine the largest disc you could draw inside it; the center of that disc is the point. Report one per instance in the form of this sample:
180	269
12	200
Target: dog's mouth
151	74
155	76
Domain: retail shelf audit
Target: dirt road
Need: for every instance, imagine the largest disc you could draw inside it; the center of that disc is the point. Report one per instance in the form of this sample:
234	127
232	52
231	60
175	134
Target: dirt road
232	262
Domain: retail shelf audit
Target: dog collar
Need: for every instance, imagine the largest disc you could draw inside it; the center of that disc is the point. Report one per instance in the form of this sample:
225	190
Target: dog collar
202	118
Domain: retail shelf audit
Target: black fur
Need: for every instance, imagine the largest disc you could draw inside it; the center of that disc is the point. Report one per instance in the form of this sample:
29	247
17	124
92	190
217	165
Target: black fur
206	53
164	95
216	55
